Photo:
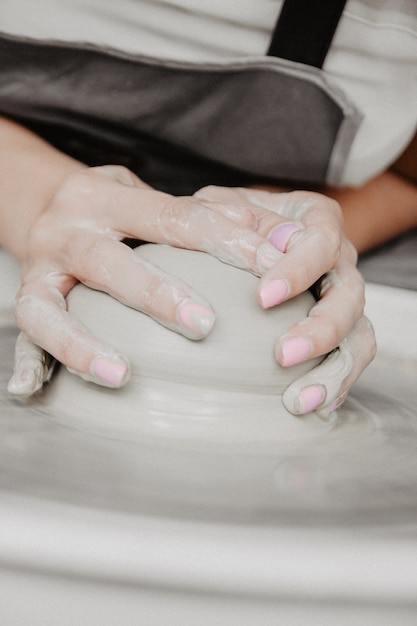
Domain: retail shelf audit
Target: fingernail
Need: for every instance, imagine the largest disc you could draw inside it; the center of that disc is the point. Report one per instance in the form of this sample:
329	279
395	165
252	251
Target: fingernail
23	383
267	256
197	318
309	399
110	371
273	293
295	351
281	235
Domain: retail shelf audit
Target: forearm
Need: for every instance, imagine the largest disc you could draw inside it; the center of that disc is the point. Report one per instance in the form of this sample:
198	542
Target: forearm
381	210
31	171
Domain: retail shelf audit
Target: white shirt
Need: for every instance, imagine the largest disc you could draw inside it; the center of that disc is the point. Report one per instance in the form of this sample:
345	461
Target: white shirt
373	57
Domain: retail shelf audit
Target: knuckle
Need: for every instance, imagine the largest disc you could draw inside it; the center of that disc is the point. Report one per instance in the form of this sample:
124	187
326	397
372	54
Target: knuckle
323	205
176	217
75	185
329	205
351	251
69	200
328	231
150	294
90	255
120	173
356	293
307	274
327	240
329	333
67	351
333	243
335	208
81	191
40	238
360	294
208	190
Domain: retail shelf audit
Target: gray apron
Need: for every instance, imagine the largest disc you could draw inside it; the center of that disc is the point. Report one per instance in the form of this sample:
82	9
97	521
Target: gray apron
273	119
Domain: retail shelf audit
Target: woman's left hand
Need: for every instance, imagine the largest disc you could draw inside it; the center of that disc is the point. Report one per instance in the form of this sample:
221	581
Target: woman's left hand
307	228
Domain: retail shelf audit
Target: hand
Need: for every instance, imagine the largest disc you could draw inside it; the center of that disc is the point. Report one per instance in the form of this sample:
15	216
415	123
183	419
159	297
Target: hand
307	228
79	238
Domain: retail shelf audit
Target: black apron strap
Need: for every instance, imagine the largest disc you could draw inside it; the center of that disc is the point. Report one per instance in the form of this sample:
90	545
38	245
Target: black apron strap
305	30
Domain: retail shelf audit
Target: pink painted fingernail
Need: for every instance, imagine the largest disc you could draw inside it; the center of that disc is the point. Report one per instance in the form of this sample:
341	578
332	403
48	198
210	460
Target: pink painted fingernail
309	399
281	235
273	293
295	351
110	371
197	318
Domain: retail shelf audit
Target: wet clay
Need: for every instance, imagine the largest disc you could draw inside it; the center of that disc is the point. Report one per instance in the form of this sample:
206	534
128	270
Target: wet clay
226	387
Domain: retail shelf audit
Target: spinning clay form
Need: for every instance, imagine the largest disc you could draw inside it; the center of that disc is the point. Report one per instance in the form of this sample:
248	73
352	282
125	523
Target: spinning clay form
226	387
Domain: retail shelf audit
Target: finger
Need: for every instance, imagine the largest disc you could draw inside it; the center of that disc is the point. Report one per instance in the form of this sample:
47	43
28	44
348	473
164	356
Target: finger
362	344
47	324
114	268
329	321
133	280
277	210
253	197
311	238
120	173
241	215
326	386
312	251
264	206
185	222
32	368
232	210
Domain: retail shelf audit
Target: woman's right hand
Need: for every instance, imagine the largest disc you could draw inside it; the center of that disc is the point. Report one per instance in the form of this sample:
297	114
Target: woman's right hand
78	238
308	229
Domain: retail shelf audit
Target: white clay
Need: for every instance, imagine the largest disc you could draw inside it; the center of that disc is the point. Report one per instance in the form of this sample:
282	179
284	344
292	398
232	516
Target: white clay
227	387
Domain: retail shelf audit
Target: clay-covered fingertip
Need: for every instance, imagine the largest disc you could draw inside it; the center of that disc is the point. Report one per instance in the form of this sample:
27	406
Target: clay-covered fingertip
24	384
196	320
